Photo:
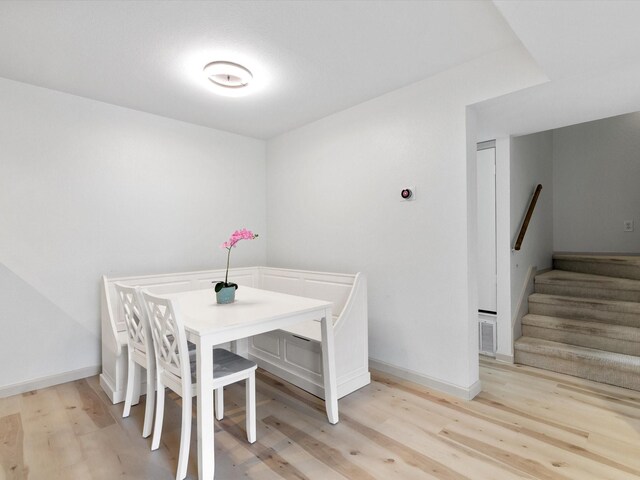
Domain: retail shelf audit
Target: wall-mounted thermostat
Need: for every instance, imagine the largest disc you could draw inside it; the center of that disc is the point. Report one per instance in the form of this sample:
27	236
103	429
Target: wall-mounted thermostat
408	193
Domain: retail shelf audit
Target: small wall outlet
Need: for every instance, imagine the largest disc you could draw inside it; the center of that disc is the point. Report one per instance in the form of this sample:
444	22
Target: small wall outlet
628	225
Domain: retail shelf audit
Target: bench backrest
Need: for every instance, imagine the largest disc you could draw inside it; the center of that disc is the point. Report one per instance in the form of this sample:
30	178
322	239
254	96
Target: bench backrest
171	283
332	287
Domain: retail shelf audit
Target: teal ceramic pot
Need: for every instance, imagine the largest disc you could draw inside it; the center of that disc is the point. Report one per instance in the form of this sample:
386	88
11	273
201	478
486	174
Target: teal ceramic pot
226	295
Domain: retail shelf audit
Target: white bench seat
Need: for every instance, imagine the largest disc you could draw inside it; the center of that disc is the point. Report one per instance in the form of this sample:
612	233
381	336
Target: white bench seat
309	330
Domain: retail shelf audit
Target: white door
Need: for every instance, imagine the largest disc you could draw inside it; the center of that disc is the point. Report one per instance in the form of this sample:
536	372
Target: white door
487	278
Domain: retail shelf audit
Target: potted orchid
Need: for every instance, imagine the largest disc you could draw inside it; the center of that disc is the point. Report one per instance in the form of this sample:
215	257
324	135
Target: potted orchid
226	291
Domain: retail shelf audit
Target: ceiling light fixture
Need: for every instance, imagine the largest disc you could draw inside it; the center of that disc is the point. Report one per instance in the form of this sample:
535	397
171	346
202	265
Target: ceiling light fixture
228	75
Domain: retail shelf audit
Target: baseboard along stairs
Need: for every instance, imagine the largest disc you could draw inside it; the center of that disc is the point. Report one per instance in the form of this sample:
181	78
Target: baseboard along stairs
584	320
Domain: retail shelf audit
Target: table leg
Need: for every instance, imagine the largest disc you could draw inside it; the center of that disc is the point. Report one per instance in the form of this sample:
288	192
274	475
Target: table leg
205	421
329	368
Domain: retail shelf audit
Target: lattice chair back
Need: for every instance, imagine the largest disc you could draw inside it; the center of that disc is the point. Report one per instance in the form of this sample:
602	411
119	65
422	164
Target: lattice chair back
169	338
135	319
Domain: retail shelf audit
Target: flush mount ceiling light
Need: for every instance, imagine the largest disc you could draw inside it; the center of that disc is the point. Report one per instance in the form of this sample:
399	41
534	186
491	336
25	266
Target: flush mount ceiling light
228	75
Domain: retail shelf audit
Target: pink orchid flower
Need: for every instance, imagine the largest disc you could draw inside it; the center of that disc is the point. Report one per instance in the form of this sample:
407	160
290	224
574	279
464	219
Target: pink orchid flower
236	236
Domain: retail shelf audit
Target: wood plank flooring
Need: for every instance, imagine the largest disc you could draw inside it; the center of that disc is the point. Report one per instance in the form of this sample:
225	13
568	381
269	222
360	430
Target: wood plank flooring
526	424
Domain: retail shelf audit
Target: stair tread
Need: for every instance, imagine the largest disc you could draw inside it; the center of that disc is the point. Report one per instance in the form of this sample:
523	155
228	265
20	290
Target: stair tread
587	280
632	260
589	342
537	345
620	332
612	305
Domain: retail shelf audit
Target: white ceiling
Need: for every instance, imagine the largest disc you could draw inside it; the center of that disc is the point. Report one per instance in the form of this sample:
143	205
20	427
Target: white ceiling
590	52
309	58
560	103
569	37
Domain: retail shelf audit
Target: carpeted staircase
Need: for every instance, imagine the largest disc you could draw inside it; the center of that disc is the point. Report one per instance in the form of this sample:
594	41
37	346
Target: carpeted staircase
584	320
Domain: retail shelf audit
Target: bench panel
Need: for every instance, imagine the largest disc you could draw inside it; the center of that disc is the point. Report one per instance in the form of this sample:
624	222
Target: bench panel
331	291
267	344
282	283
303	354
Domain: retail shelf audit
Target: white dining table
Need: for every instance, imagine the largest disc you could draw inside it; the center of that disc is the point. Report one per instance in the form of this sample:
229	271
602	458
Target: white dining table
254	311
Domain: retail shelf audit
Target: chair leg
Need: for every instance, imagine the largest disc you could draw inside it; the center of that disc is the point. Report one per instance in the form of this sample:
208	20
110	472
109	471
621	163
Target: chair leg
157	428
185	437
251	406
135	397
150	402
131	376
219	402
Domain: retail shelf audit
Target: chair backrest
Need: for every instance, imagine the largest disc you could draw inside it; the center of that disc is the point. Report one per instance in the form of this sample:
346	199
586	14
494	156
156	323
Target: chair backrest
135	318
169	337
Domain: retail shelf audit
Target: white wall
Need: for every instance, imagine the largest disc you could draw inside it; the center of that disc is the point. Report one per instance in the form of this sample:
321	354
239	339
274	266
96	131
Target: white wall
504	349
333	193
596	184
531	164
88	189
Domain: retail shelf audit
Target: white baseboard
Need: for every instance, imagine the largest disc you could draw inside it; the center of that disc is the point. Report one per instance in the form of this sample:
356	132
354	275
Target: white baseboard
501	357
48	381
43	382
465	393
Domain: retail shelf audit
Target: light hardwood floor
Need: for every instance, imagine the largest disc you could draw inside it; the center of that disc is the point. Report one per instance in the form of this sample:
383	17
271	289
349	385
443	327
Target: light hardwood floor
526	424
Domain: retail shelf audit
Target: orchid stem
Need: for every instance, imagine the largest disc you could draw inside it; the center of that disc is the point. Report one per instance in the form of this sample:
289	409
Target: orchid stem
226	275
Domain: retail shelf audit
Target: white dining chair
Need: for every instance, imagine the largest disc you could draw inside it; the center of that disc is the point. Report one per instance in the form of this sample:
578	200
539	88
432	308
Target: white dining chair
176	369
140	352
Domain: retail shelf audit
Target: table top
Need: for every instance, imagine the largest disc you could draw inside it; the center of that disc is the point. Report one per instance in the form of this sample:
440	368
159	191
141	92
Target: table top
253	306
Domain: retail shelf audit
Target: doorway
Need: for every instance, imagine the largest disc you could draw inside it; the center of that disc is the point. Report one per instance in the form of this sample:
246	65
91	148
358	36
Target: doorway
486	203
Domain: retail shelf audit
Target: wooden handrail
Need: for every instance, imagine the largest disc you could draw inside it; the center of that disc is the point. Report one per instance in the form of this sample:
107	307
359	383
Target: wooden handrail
527	218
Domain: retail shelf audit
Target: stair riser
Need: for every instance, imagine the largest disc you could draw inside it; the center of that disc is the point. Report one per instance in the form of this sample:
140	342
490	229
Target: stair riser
596	268
591	370
582	339
585	313
591	292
